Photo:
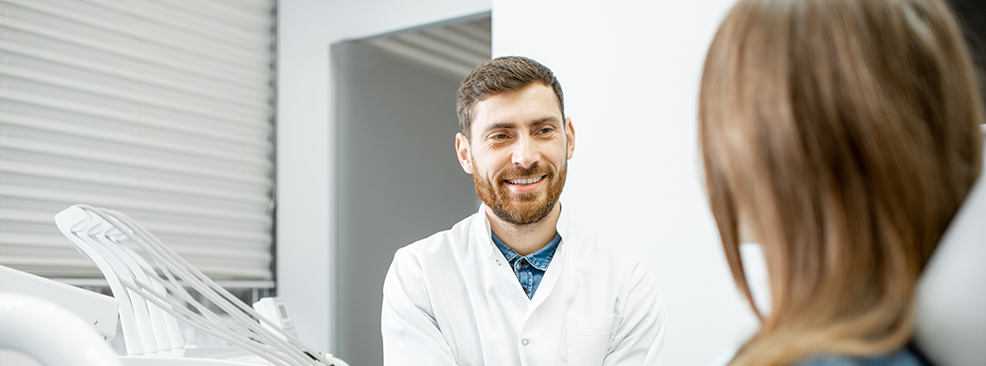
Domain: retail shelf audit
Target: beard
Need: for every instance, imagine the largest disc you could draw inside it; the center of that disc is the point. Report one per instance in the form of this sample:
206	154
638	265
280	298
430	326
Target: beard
526	208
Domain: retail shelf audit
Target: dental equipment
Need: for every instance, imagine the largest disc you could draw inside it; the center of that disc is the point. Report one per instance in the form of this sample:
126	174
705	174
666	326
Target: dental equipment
152	304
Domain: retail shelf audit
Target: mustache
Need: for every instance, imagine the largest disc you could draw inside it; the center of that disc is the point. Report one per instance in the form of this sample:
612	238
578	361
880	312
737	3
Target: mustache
534	169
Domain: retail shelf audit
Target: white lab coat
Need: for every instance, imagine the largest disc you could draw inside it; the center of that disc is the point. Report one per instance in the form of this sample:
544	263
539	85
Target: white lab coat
452	299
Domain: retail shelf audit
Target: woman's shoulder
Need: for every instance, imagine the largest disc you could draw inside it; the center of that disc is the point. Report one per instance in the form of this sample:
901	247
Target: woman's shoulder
901	357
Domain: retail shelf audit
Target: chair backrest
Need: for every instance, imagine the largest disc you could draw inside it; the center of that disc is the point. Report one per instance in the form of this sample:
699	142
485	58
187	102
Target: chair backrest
951	293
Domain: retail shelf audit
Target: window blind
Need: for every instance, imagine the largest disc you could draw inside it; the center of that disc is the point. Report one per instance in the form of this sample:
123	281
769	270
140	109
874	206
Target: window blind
160	109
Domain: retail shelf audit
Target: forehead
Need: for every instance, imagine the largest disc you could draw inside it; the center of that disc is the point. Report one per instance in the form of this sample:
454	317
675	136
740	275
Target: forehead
535	102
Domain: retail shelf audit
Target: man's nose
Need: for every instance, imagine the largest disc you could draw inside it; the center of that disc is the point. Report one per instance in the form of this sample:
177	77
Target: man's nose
525	152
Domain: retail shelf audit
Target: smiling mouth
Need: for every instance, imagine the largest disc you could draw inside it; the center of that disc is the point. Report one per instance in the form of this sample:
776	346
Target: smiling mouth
525	181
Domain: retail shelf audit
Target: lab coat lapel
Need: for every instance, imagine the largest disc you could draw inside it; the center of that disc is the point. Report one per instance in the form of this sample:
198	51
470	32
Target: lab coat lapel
555	268
482	235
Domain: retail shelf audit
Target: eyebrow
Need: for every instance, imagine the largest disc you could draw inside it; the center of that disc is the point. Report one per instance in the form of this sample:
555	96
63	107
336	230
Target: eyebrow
508	125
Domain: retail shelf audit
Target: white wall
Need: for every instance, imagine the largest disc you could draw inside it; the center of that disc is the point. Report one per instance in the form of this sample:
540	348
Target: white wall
630	71
306	30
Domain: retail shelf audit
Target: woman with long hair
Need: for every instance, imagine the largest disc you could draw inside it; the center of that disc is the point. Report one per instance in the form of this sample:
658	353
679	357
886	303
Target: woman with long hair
844	135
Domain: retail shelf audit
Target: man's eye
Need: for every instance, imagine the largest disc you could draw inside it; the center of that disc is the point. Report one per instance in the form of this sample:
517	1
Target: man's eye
545	130
499	136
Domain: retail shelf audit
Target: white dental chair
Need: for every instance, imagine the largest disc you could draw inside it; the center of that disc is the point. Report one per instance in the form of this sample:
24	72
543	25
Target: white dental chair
951	294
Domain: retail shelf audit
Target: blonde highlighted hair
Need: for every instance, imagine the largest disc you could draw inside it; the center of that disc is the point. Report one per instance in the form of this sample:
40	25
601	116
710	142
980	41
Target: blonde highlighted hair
844	134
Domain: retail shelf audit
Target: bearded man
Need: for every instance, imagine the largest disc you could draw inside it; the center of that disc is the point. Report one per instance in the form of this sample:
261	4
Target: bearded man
518	283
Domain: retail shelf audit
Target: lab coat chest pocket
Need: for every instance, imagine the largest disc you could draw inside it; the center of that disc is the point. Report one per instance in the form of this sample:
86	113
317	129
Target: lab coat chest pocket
588	338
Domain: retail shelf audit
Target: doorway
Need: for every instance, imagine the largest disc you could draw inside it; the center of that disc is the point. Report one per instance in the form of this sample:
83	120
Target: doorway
397	178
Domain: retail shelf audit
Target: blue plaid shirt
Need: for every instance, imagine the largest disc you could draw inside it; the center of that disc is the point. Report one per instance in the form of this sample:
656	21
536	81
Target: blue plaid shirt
530	268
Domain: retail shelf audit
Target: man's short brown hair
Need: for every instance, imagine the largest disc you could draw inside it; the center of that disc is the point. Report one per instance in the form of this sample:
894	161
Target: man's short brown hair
502	74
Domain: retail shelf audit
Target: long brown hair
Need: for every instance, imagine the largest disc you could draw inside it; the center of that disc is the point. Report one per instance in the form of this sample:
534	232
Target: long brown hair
845	135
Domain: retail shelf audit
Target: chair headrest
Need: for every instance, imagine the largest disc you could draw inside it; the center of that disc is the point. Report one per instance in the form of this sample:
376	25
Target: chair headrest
951	293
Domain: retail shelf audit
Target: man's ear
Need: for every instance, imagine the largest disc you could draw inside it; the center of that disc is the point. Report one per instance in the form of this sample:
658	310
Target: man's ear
570	136
463	153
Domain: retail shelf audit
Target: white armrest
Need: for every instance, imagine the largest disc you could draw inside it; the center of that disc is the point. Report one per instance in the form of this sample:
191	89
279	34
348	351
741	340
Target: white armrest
99	310
49	333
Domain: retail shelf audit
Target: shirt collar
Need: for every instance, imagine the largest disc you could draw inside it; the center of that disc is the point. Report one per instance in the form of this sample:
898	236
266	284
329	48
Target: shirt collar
508	253
539	259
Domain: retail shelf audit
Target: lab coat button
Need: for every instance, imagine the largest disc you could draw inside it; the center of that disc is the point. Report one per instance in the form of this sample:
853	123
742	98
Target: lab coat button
498	262
524	341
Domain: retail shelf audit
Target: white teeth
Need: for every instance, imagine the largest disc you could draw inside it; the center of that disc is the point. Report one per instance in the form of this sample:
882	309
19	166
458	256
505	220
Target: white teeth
526	181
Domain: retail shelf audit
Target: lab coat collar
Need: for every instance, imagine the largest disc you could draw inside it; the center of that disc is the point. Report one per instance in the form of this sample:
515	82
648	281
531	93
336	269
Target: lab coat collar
483	235
482	229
